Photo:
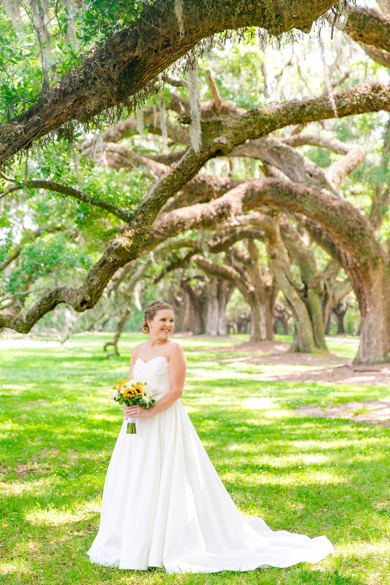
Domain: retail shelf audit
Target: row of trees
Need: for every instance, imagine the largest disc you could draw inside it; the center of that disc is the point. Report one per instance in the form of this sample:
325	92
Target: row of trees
224	170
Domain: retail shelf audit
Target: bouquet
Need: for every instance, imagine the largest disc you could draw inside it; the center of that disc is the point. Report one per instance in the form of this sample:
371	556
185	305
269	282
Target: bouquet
130	392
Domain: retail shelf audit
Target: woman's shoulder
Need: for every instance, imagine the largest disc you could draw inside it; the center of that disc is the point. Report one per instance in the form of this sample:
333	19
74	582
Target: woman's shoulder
136	349
174	350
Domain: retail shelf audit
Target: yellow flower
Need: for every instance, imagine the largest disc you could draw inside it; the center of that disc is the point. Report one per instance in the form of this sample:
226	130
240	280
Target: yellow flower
114	387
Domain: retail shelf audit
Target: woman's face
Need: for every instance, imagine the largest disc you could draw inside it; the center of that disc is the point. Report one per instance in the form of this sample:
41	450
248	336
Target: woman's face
162	324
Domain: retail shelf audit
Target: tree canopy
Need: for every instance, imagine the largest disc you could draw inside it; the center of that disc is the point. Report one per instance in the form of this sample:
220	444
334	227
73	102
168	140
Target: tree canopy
194	135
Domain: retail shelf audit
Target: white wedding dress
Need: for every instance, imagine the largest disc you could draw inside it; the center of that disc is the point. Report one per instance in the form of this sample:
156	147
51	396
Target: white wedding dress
164	504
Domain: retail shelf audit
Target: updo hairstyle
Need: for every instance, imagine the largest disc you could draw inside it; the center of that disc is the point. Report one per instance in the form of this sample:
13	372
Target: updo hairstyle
151	311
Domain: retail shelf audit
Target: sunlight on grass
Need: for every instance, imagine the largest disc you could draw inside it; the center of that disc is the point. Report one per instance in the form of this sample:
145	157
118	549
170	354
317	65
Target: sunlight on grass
18	566
54	517
36	487
294	479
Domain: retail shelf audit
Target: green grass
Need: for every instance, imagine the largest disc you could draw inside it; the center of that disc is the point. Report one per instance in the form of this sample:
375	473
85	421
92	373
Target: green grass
309	475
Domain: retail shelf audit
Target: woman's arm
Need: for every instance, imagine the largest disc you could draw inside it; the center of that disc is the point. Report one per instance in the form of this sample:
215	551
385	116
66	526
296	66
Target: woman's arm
133	358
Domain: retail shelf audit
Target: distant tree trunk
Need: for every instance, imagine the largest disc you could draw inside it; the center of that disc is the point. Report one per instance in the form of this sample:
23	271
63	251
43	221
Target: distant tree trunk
281	315
241	277
328	324
340	311
304	258
271	291
258	328
259	305
198	302
178	306
119	328
189	317
242	324
218	294
225	291
279	265
212	307
315	312
333	293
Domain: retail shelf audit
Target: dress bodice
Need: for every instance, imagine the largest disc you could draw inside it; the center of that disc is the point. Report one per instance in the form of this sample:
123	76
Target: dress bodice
155	372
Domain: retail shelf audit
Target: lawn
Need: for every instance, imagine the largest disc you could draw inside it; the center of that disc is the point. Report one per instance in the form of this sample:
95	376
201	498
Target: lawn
308	475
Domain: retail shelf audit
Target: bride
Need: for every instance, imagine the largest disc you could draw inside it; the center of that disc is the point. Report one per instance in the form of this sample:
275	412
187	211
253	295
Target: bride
163	502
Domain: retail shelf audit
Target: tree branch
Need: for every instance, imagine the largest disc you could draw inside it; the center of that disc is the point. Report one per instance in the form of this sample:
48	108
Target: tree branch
316	140
127	62
219	138
377	55
214	90
367	26
69	192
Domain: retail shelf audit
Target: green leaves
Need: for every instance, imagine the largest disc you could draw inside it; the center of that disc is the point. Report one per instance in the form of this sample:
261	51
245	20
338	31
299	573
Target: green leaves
100	19
39	259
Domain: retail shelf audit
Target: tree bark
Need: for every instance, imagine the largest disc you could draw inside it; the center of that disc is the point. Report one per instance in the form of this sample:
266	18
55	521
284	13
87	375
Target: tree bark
372	288
368	26
132	58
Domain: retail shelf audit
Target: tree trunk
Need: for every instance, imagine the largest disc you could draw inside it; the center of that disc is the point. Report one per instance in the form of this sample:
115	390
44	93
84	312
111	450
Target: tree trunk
340	311
225	290
327	327
119	328
271	292
340	321
372	289
189	318
304	258
314	307
212	307
303	338
258	325
198	302
257	298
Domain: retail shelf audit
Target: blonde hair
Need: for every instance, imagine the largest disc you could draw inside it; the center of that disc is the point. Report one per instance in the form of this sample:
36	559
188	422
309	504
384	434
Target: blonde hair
151	311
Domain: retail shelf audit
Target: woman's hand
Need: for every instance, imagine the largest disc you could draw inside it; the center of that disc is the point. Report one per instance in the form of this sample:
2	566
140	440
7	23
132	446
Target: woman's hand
136	411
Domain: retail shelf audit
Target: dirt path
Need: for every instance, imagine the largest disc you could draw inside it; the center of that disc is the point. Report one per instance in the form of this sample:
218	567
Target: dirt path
318	368
376	412
314	367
